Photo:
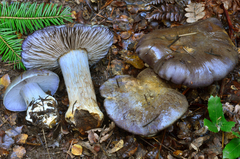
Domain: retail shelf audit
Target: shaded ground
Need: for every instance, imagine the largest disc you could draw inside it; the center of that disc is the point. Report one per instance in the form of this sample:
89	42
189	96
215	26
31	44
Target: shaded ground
187	138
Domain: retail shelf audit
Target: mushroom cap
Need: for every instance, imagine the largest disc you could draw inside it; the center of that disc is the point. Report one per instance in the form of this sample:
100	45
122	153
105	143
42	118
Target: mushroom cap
47	80
194	55
142	105
43	48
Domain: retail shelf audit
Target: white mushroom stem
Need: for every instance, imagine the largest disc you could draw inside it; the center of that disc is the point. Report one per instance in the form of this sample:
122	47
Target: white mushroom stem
83	110
41	109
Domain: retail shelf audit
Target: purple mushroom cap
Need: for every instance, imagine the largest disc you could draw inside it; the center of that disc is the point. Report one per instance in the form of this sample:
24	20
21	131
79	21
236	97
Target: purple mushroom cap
194	55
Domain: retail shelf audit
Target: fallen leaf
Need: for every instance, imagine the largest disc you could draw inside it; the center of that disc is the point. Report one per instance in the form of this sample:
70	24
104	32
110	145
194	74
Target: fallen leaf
5	81
92	137
3	152
117	147
12	119
195	11
21	138
18	152
14	132
77	150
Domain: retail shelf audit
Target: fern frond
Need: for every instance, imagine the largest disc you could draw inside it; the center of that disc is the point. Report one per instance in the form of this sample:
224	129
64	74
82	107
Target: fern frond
25	16
10	47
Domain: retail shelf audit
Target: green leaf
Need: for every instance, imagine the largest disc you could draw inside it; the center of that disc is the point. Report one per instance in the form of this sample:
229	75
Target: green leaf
217	116
227	126
212	127
236	134
232	149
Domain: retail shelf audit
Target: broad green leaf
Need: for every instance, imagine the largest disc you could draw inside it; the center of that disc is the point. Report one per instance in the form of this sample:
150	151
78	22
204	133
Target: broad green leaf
217	116
212	127
232	149
236	134
227	126
215	109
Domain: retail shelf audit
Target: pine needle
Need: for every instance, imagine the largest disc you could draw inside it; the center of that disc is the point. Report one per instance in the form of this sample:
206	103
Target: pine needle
10	47
25	18
21	17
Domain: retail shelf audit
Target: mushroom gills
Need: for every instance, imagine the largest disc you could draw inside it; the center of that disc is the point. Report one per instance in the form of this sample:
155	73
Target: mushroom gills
41	109
83	111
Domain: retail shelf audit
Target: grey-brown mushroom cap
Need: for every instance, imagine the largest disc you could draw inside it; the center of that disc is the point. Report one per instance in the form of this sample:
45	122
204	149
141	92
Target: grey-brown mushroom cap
194	55
47	80
43	48
143	105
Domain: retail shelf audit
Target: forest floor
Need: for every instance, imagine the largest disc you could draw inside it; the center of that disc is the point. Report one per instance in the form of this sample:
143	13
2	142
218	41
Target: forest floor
129	20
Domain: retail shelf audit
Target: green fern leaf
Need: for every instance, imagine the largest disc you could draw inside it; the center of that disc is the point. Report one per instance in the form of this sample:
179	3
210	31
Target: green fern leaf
25	16
10	47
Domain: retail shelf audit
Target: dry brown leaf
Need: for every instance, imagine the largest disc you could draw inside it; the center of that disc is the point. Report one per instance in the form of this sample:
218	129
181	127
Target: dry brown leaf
21	138
77	150
105	137
18	152
88	146
117	147
3	152
227	3
237	109
198	142
110	128
195	11
93	137
5	81
12	119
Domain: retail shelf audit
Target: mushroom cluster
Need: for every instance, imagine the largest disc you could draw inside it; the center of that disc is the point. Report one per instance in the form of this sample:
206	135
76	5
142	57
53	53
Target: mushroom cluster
194	55
143	105
27	92
73	49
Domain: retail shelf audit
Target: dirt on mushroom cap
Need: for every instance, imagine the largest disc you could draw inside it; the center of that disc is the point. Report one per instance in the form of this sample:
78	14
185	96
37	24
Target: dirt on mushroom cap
194	55
142	105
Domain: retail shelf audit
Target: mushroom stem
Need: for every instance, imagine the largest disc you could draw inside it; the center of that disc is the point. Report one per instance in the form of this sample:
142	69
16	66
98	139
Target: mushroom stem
83	110
41	109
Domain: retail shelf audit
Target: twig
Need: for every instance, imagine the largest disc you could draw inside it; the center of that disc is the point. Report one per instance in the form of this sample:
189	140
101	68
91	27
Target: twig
146	142
163	145
223	139
96	15
46	143
160	147
185	91
69	149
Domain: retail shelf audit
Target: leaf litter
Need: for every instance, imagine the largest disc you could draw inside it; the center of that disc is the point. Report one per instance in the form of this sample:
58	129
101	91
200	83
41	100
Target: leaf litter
129	20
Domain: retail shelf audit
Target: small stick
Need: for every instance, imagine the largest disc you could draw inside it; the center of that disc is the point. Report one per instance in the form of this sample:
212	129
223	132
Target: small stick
160	147
177	38
46	143
222	139
69	149
163	145
181	35
187	34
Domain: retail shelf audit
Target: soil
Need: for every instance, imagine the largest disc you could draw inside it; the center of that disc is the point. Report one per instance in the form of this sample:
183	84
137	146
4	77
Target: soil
177	141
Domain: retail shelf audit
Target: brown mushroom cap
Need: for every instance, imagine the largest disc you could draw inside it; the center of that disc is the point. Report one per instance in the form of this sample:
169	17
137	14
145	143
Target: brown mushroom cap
194	55
142	105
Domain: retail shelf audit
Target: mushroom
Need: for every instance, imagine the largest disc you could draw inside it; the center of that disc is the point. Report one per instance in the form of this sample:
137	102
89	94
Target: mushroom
194	55
143	105
73	49
27	92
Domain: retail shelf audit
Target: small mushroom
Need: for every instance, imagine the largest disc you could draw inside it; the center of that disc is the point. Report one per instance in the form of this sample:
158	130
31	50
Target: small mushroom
73	49
27	92
194	55
143	105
